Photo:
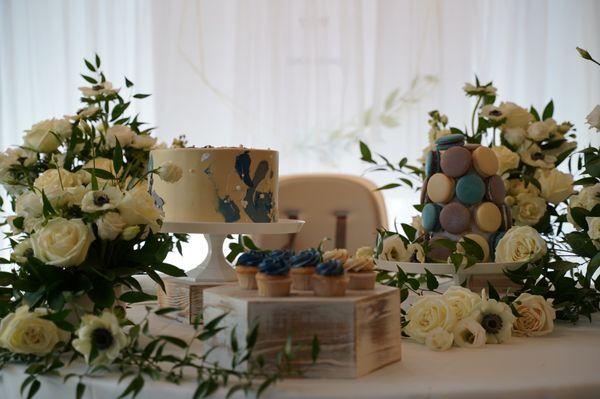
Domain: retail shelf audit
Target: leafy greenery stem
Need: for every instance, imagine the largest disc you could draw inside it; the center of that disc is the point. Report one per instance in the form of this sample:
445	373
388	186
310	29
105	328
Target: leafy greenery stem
473	115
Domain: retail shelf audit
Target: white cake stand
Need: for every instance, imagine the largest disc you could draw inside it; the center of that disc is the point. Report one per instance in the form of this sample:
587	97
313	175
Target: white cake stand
215	268
448	269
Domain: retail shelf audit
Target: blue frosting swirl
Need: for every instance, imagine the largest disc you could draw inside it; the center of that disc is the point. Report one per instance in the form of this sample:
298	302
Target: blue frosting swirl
330	268
276	265
309	257
280	253
251	258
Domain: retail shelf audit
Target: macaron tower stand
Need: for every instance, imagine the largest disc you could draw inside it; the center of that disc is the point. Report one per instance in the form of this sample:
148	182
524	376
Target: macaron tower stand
462	196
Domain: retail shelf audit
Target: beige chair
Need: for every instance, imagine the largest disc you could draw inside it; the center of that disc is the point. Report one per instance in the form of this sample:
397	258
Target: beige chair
343	208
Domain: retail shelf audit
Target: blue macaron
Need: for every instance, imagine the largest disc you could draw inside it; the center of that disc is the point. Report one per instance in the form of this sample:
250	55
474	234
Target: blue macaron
451	140
494	240
432	163
470	189
431	217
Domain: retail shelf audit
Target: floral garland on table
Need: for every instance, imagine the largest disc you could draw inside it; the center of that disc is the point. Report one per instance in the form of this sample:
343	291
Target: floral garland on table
84	223
530	146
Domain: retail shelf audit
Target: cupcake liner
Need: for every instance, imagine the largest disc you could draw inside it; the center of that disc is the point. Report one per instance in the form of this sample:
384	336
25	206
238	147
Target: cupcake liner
329	285
273	286
361	281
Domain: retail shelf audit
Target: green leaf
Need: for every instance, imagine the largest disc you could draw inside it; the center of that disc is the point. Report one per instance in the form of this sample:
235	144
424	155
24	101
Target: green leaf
169	269
593	266
135	297
89	79
251	337
128	82
101	173
548	111
141	95
118	111
89	65
365	152
134	387
174	340
248	243
117	157
97	61
214	322
431	280
35	387
163	311
387	186
80	390
492	293
534	112
47	209
315	349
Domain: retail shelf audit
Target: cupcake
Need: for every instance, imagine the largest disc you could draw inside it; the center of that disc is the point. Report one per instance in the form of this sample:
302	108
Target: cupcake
361	273
303	267
273	277
247	267
336	254
330	279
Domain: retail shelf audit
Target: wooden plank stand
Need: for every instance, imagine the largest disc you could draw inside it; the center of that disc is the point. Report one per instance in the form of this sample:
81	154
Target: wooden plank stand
183	293
357	334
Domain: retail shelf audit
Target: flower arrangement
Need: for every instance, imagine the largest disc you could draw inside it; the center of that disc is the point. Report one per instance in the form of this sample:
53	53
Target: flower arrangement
84	222
530	147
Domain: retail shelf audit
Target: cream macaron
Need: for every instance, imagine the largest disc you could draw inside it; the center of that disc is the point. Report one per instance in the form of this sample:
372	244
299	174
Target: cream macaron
440	188
488	217
485	161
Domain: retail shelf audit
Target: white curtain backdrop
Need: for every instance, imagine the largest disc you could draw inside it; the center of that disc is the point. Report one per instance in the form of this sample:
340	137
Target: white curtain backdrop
308	78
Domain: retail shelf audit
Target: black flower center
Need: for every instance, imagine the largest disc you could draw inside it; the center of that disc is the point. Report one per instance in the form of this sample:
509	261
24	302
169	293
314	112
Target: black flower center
97	87
101	199
491	323
496	112
28	252
102	338
536	156
21	160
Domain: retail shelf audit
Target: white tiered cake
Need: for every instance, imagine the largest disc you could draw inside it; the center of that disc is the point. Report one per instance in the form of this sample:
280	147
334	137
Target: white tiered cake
226	184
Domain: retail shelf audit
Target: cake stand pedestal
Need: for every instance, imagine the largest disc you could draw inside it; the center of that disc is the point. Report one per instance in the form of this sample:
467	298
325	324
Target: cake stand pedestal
186	293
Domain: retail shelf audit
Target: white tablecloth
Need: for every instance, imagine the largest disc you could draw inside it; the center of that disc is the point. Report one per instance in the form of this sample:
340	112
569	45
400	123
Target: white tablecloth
565	364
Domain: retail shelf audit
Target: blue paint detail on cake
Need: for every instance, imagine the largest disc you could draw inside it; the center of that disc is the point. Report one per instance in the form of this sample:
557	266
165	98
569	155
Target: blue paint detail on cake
252	258
229	210
274	265
330	268
259	204
158	201
470	189
242	166
309	257
431	217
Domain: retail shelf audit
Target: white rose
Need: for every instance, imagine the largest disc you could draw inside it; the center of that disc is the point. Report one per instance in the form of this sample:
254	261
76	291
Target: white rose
110	225
22	251
556	186
29	204
143	142
468	333
515	116
587	198
517	186
439	339
27	333
101	200
462	300
170	172
428	313
394	249
137	207
104	333
536	316
514	136
520	244
593	227
52	184
42	137
62	242
121	133
593	118
539	131
506	158
528	209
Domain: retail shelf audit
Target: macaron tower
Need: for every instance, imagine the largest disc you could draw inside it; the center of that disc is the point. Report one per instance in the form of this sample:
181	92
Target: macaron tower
463	195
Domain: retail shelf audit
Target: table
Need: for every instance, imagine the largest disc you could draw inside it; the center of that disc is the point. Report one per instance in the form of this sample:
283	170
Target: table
565	364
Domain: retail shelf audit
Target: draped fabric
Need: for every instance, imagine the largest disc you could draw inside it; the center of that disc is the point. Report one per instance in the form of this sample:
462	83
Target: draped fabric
306	77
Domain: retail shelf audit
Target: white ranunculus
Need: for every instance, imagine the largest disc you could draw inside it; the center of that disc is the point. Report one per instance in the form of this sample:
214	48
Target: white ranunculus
101	200
336	254
515	136
122	133
25	332
62	242
536	316
394	249
428	313
29	204
21	251
506	158
100	89
468	333
143	142
593	118
102	332
593	227
42	137
496	318
110	225
53	185
556	186
439	339
137	207
462	300
516	116
169	172
528	210
520	244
